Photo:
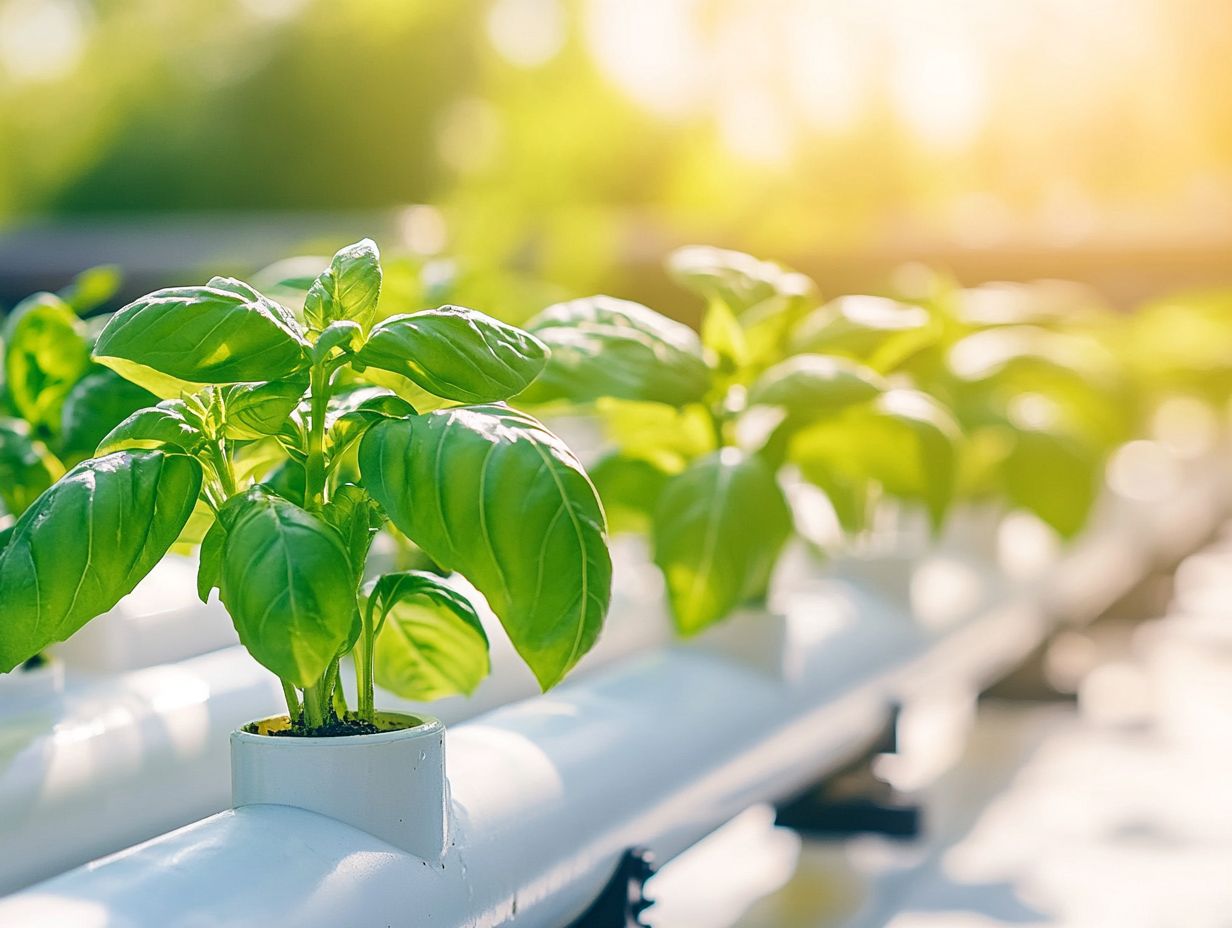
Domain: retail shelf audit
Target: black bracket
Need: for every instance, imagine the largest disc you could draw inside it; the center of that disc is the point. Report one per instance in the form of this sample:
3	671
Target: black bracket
623	900
854	800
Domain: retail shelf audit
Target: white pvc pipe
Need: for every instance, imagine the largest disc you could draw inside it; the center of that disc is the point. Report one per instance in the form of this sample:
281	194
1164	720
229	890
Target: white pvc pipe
546	794
118	759
113	761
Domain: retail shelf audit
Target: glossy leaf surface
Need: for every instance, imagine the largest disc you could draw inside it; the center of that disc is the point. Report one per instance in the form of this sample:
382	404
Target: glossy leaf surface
45	354
456	353
86	542
605	347
718	529
431	643
287	582
348	289
182	337
490	493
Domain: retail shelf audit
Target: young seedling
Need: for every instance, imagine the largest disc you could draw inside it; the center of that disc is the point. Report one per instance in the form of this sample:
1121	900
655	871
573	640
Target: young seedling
703	425
255	392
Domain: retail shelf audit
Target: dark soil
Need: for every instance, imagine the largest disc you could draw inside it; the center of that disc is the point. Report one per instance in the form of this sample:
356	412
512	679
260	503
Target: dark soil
35	662
335	727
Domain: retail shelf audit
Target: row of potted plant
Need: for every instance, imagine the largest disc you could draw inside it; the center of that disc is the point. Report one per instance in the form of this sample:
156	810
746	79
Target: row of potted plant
281	436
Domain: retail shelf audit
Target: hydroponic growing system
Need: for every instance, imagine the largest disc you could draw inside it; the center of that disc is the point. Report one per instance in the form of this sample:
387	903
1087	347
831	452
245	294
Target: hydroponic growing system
289	587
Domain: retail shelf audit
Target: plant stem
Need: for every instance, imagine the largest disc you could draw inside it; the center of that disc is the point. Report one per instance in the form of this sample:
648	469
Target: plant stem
293	709
226	474
314	466
363	668
314	716
329	684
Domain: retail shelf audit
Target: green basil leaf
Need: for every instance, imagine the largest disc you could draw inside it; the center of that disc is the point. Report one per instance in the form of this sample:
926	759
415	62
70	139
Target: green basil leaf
667	436
209	560
912	450
345	335
629	488
881	332
431	643
604	347
740	281
361	409
181	338
1055	476
904	441
356	517
287	582
724	338
811	385
348	289
92	288
288	480
97	404
490	493
718	529
456	353
27	468
165	425
195	529
45	354
254	410
87	541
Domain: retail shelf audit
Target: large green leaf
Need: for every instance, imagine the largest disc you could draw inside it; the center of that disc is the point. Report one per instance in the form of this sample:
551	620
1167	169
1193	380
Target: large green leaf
629	488
348	289
812	385
1055	476
183	337
490	493
45	354
604	347
98	403
87	542
904	441
718	529
286	579
431	643
456	353
92	287
27	468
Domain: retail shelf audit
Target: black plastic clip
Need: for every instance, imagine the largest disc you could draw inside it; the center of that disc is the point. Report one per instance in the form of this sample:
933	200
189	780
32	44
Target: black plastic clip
854	800
623	899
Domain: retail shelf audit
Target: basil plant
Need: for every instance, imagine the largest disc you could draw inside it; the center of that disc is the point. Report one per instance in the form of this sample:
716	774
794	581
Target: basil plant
1041	399
275	443
703	424
55	403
